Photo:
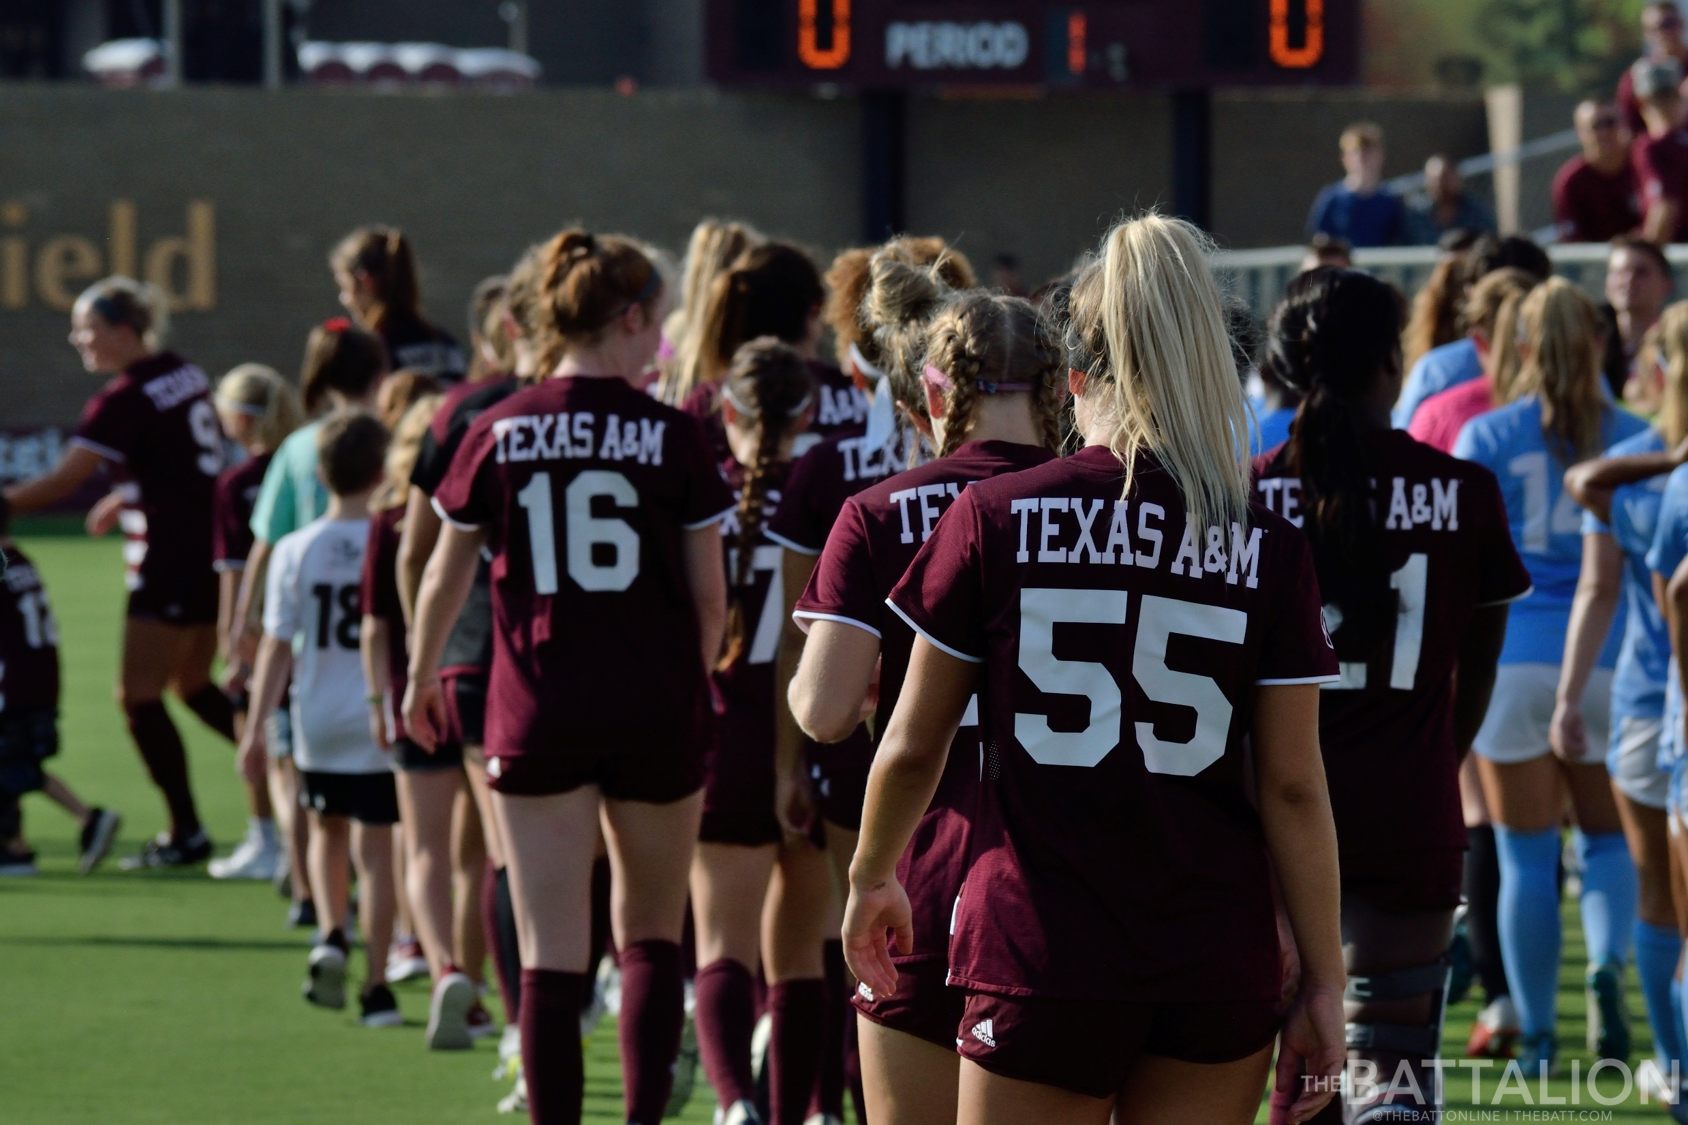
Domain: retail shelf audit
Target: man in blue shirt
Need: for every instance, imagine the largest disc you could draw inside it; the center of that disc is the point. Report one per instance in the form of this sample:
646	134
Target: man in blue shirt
1444	205
1356	207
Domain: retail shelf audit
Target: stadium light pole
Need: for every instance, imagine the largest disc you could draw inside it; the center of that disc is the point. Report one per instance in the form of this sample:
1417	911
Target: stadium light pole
1192	155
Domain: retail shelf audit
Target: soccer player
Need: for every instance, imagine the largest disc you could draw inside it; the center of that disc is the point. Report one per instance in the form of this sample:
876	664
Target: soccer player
1491	319
1417	573
375	271
29	715
712	249
599	506
312	615
1561	418
258	409
154	425
985	385
1115	936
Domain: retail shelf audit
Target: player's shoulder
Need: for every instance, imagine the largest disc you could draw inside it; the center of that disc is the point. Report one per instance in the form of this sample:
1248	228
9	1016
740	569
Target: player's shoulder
1626	426
1645	440
1516	421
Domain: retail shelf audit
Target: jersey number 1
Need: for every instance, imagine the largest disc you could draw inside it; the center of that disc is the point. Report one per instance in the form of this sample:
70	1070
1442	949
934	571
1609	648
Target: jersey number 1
583	530
1409	584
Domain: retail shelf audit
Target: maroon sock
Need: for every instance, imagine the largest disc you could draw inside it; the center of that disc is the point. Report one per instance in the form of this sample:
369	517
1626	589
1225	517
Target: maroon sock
601	932
506	955
726	1019
167	761
798	1008
653	1012
840	1015
551	1058
213	709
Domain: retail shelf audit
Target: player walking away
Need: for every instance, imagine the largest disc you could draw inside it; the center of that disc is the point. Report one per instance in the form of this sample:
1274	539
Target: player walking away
766	402
489	345
154	425
29	715
1436	307
1491	318
711	251
1115	936
376	273
258	409
1562	418
311	621
989	395
1417	576
599	506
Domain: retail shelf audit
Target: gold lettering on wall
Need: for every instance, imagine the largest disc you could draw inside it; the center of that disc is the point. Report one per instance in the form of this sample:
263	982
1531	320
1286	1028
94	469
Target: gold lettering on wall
14	258
65	258
122	240
196	253
183	266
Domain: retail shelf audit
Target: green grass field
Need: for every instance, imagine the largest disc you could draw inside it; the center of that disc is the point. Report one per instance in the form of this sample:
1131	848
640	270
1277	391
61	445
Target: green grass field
164	997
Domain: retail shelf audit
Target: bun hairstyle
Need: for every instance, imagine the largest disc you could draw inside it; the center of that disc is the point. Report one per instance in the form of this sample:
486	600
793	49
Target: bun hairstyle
123	301
383	255
1148	314
402	451
713	248
851	277
769	387
260	393
771	290
1492	309
340	357
982	344
586	283
488	330
902	298
1334	334
1562	328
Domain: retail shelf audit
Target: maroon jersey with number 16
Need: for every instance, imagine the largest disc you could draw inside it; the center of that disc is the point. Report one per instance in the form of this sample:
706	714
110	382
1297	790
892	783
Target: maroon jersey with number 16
585	488
1116	853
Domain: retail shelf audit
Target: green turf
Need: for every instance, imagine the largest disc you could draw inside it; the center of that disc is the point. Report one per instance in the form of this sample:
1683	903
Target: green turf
140	998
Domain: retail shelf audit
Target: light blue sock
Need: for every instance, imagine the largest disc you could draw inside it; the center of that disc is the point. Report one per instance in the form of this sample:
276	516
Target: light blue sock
1608	897
1676	1008
1528	916
1656	951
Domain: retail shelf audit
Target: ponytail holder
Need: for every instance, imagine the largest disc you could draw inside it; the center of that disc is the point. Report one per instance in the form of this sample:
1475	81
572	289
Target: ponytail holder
337	324
937	380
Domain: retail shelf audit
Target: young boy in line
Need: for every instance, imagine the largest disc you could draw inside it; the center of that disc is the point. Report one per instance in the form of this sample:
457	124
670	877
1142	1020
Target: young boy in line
312	613
29	714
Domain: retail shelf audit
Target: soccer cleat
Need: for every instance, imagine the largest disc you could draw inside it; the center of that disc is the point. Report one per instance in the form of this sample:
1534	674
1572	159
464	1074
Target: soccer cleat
302	915
740	1112
1537	1054
97	837
18	864
162	851
256	858
325	984
1608	1016
406	962
378	1008
760	1039
1650	1080
516	1100
509	1053
480	1021
448	1013
1494	1032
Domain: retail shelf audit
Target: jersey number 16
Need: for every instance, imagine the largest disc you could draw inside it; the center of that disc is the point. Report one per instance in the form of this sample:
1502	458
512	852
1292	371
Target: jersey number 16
582	532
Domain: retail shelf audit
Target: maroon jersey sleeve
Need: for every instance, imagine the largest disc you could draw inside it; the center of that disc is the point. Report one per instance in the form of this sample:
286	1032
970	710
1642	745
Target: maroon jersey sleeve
941	597
842	586
112	420
466	494
379	585
708	496
227	525
1296	649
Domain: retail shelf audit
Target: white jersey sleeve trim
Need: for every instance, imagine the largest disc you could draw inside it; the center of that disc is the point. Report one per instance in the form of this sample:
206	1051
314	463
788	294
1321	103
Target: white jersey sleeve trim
105	451
1507	601
716	518
789	544
458	524
930	639
223	565
1299	680
802	616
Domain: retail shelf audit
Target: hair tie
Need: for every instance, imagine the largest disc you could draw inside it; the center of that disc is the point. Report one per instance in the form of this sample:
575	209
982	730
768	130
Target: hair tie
337	324
938	381
866	369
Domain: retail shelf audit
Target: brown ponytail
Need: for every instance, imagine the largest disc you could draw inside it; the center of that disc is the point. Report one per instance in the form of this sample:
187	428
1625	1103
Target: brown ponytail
584	284
983	344
383	255
772	290
339	357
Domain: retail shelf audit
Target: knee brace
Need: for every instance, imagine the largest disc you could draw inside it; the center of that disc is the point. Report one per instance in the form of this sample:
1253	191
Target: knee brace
1413	1041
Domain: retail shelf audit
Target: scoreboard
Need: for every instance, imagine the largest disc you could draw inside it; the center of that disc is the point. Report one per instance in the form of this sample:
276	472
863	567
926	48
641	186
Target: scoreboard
1099	45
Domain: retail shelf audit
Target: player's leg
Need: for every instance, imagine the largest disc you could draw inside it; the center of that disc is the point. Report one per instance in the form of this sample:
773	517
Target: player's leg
259	853
190	679
468	872
906	1079
1658	945
372	850
1609	892
292	823
425	806
63	796
841	1055
152	652
729	883
328	860
650	849
1495	1030
984	1098
1165	1091
794	917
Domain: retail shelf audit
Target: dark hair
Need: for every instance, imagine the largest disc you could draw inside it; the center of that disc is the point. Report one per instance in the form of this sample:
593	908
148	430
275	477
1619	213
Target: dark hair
770	386
1332	336
1647	250
339	357
486	323
1323	244
772	290
383	255
400	391
584	284
980	341
849	279
351	451
1489	253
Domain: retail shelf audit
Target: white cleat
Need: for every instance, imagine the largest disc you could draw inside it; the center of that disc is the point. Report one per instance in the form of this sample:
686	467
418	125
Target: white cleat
258	857
516	1100
740	1112
448	1013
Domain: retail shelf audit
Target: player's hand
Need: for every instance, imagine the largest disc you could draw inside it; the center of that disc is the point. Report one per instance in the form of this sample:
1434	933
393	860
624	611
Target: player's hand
1566	733
236	678
102	517
243	644
794	803
1311	1050
378	724
873	909
253	757
424	712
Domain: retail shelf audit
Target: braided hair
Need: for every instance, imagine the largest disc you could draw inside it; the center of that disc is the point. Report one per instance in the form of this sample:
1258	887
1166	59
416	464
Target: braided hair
769	387
1334	334
983	344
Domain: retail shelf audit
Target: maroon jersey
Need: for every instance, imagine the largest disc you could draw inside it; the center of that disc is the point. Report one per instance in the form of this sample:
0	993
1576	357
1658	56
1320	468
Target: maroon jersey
29	639
155	422
380	598
876	537
1661	173
232	499
585	488
1387	727
1591	206
1116	854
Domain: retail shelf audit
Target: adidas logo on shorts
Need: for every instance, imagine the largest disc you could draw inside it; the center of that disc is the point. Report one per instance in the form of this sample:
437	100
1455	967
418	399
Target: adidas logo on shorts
864	992
494	767
983	1032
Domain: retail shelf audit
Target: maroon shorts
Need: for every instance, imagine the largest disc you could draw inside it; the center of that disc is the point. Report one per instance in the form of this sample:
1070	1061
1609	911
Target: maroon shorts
465	707
656	777
925	1004
1090	1046
839	774
738	798
1407	881
186	598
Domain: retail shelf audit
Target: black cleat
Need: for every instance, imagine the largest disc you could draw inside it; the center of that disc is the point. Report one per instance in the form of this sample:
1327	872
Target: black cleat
162	851
97	837
379	1009
302	915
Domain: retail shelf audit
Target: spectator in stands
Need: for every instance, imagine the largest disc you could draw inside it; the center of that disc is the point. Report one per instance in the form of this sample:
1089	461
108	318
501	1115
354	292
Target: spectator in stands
1444	205
1661	154
1357	208
1594	193
1327	250
1661	27
1638	286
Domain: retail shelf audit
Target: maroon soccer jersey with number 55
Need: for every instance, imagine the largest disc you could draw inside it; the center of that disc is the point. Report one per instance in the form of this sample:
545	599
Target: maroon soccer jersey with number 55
1116	852
585	488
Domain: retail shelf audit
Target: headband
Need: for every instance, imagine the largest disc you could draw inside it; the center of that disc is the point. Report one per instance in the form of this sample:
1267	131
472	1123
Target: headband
653	284
938	381
868	370
251	410
739	404
111	312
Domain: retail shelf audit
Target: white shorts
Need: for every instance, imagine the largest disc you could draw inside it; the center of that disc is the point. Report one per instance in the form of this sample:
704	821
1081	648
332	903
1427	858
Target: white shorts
1521	711
1633	762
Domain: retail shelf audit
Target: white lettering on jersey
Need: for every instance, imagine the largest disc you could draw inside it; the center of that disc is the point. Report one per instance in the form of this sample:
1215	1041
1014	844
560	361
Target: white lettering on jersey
840	407
926	497
1411	503
177	387
556	437
1059	540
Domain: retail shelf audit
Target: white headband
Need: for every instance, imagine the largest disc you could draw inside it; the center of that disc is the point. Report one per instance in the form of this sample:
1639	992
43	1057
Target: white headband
739	405
867	370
